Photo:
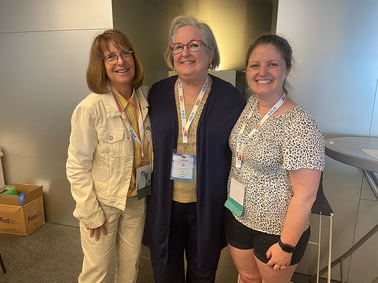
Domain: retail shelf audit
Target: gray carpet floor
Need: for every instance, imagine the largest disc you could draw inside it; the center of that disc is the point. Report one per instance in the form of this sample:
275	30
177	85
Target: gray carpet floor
53	254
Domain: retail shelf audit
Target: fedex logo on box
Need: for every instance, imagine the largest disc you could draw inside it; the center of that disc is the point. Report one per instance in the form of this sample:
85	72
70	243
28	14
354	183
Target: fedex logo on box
7	220
34	216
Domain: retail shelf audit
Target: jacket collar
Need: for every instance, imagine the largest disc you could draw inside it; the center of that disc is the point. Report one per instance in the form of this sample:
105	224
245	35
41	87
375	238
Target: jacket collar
111	107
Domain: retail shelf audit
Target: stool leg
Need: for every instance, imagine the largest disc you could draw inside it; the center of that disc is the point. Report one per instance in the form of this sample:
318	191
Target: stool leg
329	274
2	264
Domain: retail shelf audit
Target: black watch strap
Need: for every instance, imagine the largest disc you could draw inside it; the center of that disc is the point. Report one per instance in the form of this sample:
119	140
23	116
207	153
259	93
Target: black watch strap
286	247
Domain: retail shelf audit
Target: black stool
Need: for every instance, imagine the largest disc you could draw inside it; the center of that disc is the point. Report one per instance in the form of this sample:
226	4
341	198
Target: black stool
322	208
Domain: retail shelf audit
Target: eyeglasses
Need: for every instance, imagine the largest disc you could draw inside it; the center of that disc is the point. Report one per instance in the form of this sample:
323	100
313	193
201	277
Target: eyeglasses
112	58
193	46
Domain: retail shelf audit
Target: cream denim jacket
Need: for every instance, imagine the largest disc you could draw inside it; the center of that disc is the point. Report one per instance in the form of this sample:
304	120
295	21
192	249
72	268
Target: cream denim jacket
100	155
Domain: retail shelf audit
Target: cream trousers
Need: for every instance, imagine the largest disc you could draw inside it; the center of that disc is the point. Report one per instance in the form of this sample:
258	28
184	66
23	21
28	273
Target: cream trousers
114	257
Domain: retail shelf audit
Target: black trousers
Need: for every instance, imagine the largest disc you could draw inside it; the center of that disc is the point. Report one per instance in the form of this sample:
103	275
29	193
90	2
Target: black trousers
182	243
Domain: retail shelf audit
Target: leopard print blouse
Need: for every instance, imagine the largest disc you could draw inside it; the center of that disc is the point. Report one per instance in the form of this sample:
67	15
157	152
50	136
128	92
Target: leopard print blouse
289	141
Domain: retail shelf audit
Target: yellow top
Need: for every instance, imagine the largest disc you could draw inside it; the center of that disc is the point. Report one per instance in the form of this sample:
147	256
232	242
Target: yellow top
185	191
142	152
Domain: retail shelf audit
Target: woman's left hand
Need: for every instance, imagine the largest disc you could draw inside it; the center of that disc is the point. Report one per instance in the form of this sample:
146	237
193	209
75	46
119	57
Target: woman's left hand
278	259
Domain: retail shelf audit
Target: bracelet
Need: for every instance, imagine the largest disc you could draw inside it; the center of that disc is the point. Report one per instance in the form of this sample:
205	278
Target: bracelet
286	247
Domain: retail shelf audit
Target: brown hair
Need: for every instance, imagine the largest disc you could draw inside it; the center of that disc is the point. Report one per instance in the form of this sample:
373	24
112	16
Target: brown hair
97	79
282	45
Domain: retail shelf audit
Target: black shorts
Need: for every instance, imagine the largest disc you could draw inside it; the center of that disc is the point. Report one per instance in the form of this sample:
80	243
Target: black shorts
244	238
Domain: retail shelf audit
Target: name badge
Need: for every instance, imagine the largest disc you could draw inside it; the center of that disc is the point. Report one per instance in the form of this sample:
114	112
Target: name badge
182	166
143	181
235	199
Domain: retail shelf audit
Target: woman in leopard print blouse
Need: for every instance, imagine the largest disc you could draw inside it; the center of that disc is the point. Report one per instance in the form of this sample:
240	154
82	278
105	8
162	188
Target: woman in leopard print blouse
278	157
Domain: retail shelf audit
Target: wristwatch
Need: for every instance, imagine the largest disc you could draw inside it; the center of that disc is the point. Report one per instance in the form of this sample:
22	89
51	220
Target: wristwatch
286	247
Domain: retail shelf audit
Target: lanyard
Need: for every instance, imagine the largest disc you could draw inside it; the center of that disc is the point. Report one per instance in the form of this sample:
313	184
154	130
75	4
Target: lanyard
134	135
240	144
186	124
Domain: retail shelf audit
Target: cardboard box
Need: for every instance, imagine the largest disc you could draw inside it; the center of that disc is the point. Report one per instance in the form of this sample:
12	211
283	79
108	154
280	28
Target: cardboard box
22	219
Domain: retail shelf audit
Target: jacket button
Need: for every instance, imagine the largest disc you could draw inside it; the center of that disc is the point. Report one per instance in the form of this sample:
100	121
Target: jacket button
111	137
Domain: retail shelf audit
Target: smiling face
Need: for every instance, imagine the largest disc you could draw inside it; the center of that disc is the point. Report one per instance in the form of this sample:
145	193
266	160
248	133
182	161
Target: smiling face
121	74
266	71
191	65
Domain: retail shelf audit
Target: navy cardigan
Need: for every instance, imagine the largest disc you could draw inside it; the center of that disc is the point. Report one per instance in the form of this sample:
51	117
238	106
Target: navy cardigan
213	159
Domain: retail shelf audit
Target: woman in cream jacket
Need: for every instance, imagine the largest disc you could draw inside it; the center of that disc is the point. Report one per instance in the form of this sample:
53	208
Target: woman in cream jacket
110	145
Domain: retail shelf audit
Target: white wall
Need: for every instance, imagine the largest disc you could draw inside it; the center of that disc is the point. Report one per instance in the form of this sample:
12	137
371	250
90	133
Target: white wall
44	51
335	78
336	51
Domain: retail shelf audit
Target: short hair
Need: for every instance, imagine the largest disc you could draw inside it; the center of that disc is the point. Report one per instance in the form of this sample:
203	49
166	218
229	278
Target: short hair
97	80
282	46
208	38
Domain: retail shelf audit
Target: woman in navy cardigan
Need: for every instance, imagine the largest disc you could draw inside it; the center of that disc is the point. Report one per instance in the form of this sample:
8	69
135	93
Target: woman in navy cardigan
191	116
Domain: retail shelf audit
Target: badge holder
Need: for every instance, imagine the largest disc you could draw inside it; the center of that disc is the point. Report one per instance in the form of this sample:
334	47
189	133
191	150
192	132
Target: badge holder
235	199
